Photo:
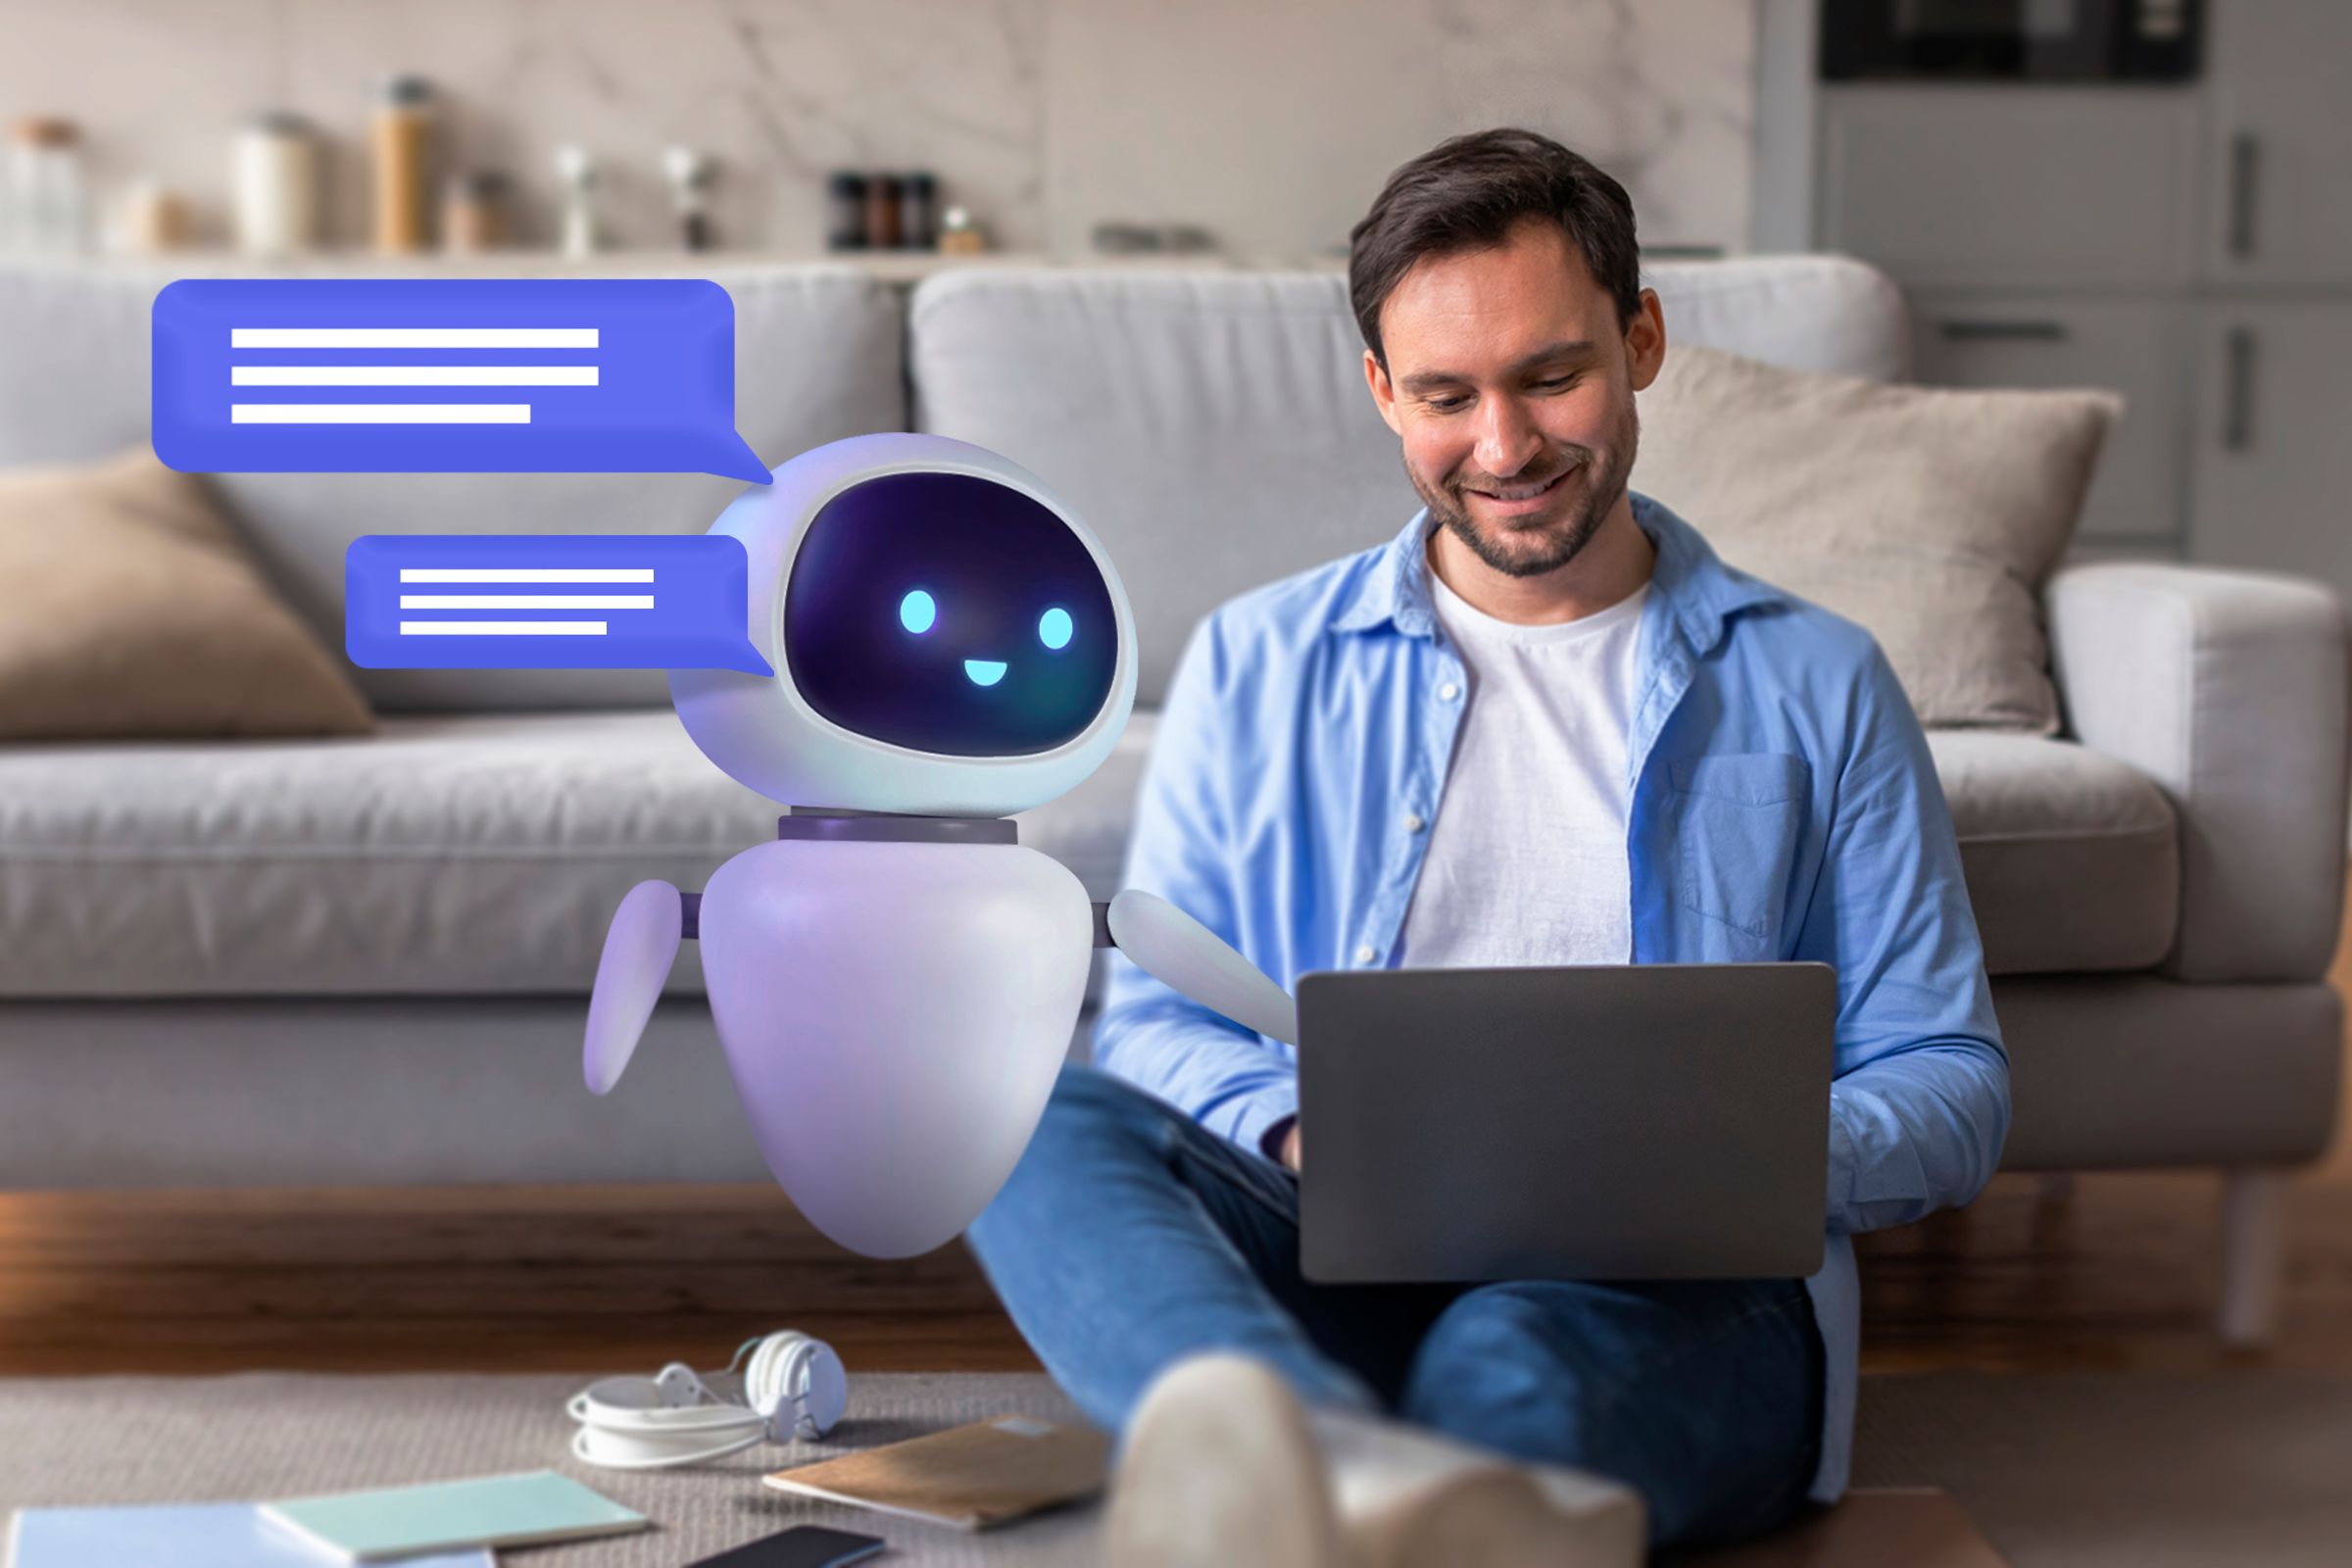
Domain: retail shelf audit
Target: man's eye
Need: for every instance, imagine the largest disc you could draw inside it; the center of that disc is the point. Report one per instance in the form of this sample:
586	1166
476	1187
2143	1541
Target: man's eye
1445	405
1556	382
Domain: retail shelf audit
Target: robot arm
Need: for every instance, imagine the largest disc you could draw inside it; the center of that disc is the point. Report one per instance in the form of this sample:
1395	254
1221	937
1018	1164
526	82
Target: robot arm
639	949
1182	953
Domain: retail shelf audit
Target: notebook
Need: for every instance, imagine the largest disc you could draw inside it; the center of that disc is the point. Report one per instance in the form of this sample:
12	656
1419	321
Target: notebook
211	1535
970	1475
510	1510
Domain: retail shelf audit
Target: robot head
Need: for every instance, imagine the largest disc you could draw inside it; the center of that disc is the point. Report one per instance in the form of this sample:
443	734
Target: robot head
948	637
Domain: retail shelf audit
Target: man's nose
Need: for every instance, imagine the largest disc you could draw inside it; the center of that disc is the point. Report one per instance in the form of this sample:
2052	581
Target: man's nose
1508	437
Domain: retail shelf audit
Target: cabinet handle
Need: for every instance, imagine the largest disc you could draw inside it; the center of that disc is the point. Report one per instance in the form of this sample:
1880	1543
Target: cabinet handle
2245	172
2237	414
2036	332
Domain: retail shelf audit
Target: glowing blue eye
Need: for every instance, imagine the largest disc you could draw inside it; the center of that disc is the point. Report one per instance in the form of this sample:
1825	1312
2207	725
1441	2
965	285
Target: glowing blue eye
917	611
1054	626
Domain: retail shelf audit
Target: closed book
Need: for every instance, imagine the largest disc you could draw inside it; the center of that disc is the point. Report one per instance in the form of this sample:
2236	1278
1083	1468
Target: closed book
203	1534
969	1477
510	1510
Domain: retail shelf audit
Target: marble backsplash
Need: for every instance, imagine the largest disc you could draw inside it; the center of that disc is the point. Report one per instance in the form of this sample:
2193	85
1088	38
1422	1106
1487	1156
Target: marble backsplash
1269	122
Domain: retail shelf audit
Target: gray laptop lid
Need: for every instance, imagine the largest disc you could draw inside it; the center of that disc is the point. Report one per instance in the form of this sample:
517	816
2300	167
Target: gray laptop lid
1624	1122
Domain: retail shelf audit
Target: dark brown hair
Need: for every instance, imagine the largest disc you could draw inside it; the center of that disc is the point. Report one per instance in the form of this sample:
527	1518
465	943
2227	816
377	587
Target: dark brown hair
1467	193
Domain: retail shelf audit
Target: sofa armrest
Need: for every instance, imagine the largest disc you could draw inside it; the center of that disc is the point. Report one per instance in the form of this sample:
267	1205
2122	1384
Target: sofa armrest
2227	688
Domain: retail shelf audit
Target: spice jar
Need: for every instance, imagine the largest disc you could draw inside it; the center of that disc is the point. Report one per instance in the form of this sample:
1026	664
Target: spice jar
918	211
845	211
882	212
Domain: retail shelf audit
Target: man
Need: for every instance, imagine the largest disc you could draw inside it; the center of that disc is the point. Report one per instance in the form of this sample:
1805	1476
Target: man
1545	725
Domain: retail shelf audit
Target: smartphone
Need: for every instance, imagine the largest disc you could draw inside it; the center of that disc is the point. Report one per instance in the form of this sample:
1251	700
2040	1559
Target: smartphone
801	1547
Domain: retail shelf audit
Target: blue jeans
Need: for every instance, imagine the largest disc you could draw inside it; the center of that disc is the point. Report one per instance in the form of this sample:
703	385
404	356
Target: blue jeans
1130	1237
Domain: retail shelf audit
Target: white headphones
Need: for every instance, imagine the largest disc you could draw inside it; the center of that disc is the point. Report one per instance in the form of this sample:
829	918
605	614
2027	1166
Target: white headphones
794	1386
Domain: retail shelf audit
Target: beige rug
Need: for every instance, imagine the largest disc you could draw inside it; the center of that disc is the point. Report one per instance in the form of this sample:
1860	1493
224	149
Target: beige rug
2088	1470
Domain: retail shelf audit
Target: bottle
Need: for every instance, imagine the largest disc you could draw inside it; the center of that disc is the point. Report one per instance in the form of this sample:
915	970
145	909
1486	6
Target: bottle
48	205
403	138
577	169
690	174
273	185
918	211
845	211
882	212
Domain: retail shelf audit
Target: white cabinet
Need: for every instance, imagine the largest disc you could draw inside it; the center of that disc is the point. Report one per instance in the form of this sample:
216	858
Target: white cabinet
2273	456
2278	143
2135	346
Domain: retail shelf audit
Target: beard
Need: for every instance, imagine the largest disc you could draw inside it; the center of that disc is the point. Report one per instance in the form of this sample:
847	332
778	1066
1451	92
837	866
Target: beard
1541	541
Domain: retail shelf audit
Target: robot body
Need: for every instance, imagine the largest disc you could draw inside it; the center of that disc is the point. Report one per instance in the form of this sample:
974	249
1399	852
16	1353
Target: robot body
894	1015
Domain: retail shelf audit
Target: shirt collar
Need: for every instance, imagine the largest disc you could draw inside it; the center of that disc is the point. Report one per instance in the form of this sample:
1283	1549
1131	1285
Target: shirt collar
1693	584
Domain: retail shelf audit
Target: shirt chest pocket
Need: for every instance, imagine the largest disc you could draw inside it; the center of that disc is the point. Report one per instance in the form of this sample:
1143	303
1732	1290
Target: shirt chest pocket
1738	821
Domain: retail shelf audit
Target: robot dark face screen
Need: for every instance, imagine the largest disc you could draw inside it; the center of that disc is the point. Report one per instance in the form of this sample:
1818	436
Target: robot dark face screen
949	613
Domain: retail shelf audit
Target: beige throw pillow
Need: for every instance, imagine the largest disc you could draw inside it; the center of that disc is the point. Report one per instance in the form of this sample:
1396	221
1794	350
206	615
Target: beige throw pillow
1933	515
129	609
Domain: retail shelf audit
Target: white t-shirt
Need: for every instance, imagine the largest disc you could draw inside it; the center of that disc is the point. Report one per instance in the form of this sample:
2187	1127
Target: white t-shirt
1526	862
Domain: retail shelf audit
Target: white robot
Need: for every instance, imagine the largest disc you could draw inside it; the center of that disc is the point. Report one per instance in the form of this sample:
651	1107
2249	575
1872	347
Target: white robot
895	979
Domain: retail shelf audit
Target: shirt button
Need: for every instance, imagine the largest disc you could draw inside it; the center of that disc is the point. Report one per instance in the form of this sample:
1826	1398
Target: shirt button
1366	953
1449	691
1413	822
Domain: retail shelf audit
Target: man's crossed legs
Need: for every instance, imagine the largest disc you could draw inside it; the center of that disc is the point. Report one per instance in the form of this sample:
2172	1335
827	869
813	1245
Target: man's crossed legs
1129	1236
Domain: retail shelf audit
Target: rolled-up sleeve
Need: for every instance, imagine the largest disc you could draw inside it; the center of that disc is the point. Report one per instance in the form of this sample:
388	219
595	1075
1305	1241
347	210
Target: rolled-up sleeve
1230	1079
1919	1107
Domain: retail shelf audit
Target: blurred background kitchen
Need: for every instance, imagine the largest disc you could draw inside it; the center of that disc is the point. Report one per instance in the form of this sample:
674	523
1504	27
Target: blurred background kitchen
2151	195
1056	127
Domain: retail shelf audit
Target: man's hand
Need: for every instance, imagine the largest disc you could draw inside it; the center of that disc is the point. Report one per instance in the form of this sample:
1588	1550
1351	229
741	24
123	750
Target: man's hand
1290	1147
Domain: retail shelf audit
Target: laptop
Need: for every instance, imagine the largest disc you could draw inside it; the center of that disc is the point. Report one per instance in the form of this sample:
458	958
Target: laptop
1620	1121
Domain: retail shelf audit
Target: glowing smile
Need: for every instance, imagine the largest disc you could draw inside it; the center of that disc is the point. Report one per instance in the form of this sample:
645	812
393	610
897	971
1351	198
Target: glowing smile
1523	498
984	671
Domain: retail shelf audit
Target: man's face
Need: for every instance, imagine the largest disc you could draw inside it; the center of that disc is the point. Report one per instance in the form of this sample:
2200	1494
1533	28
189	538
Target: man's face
1512	385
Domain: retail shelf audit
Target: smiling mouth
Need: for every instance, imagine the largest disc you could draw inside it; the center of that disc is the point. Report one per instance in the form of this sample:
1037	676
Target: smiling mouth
1526	492
984	671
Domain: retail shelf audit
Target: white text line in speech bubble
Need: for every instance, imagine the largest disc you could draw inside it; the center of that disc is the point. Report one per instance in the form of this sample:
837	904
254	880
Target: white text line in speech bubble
526	574
379	413
411	376
502	628
412	338
526	601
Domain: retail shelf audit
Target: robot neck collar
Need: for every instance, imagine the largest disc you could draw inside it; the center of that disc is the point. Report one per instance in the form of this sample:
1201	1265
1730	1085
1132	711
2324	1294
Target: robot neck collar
809	822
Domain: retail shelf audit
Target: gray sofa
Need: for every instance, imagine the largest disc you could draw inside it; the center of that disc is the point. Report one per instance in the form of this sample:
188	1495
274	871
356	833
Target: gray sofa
366	961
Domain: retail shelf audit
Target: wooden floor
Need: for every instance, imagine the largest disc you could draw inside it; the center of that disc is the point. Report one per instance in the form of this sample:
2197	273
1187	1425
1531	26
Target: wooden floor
2121	1274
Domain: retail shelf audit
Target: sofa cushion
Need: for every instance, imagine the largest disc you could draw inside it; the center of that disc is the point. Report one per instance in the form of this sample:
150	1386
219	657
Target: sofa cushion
129	608
1215	429
2072	857
1933	515
818	355
447	854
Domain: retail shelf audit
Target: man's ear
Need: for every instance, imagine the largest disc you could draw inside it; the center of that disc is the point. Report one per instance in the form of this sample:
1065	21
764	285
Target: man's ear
1645	340
1383	396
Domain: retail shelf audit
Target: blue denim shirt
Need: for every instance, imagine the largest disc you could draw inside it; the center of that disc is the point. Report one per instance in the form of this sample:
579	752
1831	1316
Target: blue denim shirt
1782	805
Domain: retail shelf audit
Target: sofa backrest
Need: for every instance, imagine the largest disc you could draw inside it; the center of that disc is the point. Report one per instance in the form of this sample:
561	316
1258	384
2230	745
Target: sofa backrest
1213	428
819	354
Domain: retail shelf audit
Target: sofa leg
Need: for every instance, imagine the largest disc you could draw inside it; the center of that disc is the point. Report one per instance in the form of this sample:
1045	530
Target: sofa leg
2253	1254
2055	1187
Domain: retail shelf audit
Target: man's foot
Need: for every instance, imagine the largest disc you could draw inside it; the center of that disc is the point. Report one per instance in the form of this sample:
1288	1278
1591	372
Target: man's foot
1219	1467
1408	1495
1222	1465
